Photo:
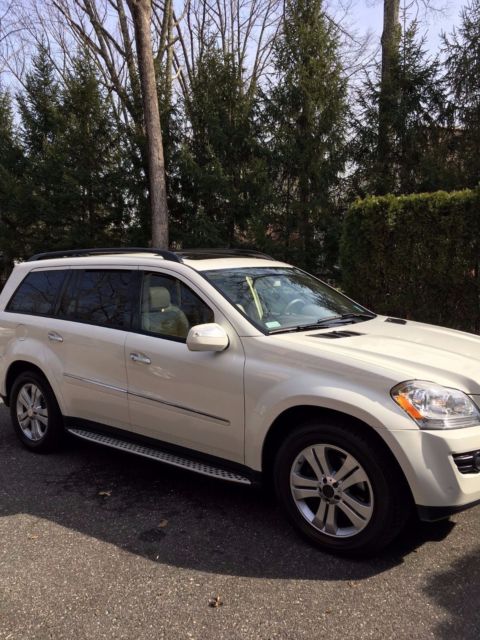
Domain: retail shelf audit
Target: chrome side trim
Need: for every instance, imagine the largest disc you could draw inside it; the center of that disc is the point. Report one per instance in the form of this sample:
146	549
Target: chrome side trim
179	407
95	382
161	456
172	405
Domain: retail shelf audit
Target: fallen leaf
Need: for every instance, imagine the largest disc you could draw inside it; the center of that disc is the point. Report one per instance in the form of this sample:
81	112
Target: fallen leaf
162	524
215	602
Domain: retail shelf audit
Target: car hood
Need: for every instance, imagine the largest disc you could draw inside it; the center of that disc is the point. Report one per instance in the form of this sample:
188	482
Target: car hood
407	351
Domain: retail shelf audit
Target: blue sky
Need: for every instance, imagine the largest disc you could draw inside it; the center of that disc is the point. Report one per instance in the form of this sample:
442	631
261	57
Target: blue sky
368	14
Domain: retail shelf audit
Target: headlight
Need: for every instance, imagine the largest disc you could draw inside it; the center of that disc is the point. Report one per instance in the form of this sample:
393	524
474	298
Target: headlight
435	407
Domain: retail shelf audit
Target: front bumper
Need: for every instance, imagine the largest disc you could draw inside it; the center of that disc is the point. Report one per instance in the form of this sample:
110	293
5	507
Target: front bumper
438	487
432	514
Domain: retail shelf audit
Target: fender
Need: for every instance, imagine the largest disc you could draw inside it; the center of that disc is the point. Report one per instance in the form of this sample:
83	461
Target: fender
34	352
375	411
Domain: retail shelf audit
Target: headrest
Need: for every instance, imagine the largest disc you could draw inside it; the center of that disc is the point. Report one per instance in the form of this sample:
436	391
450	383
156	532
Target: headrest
159	298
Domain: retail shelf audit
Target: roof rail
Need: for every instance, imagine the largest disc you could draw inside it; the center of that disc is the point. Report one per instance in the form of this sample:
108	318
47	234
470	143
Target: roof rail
78	253
217	253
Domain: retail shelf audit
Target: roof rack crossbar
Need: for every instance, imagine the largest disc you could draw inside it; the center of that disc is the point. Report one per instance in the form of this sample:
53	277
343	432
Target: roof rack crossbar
78	253
224	252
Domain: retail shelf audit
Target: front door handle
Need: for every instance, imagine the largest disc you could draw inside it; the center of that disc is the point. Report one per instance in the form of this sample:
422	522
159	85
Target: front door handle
140	357
53	336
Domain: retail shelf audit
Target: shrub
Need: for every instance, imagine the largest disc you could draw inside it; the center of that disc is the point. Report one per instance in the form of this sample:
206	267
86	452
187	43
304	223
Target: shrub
416	256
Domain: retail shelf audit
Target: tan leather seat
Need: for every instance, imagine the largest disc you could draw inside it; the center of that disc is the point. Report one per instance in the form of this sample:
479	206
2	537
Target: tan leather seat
162	316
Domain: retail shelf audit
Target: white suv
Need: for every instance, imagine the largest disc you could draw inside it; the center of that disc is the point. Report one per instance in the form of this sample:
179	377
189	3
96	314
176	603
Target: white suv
236	366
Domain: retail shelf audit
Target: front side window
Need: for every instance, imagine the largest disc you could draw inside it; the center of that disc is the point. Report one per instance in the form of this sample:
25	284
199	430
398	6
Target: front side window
38	292
102	297
169	308
284	298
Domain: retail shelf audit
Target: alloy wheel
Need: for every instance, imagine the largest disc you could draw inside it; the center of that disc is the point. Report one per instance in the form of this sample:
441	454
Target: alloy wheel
32	412
331	490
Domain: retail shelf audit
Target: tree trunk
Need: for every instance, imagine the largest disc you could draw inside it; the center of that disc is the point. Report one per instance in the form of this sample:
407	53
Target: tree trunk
141	11
388	101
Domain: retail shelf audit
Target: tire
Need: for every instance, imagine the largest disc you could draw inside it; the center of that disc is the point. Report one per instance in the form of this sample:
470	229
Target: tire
41	428
355	506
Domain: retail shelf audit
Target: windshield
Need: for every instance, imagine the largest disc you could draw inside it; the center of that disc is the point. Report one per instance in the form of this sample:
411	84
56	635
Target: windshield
285	298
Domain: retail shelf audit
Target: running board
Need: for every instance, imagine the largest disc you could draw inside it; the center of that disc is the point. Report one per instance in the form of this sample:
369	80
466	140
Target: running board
160	456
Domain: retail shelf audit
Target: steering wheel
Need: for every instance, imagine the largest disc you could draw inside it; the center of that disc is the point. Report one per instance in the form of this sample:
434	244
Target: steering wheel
292	303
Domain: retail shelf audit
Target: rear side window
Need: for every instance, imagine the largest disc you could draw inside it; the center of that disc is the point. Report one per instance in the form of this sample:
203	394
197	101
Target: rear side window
37	293
102	297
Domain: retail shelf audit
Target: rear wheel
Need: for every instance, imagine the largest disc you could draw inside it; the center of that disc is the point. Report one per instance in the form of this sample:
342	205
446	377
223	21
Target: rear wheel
339	489
35	413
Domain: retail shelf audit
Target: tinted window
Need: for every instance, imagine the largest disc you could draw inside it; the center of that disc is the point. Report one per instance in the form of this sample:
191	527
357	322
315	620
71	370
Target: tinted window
38	292
169	308
102	297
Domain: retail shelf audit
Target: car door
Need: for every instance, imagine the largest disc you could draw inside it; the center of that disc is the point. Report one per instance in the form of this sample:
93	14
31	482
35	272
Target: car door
88	338
191	399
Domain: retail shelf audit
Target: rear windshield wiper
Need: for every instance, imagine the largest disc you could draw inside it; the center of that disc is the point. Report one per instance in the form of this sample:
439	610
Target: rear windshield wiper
325	322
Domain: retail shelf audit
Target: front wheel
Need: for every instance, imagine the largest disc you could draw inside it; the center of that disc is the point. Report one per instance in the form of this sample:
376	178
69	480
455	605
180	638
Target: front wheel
35	413
339	488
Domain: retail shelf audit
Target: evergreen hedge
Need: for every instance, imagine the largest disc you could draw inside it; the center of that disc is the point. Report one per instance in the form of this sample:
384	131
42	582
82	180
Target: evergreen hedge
416	256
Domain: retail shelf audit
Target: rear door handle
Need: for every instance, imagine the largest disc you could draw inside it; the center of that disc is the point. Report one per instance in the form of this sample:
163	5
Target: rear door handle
140	357
53	336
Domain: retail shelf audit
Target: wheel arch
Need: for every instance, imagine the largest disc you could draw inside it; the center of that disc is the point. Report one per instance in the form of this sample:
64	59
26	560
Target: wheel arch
14	370
285	423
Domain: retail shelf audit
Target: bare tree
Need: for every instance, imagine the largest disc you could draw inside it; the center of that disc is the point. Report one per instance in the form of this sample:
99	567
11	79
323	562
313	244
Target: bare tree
180	31
141	11
110	34
242	29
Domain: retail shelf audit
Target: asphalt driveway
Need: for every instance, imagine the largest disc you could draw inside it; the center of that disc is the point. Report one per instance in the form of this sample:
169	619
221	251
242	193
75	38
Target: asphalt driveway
99	544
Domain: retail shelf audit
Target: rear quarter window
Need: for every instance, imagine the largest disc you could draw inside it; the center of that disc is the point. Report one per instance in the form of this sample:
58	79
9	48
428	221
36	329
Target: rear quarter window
38	293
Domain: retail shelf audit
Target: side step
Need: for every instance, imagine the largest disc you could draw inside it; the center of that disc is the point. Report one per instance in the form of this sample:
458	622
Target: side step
160	456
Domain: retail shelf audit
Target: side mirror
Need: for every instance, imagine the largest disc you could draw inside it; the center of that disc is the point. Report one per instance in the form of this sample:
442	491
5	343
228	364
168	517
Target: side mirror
207	337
